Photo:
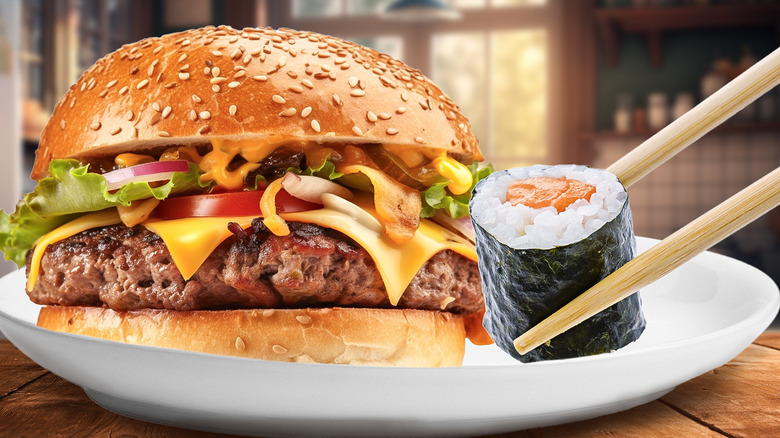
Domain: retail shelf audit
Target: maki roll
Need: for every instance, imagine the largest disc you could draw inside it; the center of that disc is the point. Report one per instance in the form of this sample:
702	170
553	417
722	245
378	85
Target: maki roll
544	235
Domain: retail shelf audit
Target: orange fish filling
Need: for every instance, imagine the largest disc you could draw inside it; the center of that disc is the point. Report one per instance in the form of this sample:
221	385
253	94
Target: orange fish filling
540	192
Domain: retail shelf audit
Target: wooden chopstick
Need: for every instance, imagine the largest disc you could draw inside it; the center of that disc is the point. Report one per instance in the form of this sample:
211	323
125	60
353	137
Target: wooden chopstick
696	237
711	112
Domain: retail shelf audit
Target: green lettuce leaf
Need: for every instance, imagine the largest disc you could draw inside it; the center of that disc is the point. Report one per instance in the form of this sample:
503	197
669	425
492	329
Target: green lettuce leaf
326	170
69	191
438	197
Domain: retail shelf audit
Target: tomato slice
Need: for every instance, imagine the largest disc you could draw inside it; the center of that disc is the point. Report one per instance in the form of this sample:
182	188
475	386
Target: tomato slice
243	203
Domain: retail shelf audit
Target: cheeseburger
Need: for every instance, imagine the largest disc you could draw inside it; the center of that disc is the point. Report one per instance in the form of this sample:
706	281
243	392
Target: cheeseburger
263	193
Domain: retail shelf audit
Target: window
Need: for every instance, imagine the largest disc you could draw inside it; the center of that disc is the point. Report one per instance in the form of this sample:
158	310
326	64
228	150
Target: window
497	63
103	26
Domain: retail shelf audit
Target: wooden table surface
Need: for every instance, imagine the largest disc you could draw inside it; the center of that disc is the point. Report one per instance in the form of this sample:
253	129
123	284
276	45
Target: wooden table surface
739	399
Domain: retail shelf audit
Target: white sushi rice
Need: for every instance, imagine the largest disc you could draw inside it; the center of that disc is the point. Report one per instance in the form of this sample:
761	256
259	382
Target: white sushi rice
523	227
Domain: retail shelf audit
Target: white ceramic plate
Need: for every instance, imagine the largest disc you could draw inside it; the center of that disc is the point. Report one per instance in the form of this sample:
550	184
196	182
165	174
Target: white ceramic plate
699	317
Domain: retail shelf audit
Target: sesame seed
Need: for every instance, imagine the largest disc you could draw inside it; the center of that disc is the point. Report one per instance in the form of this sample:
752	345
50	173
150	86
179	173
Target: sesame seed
256	51
134	70
134	132
232	110
278	349
391	131
182	57
234	84
268	312
239	74
196	98
142	84
116	131
337	100
339	61
103	93
296	89
384	116
166	112
157	50
357	93
345	66
163	134
307	83
155	118
217	80
215	88
184	76
288	112
130	115
332	75
170	85
240	345
62	124
306	111
404	97
292	74
185	43
94	126
325	68
156	106
193	115
247	58
216	53
111	84
305	319
150	70
236	53
315	125
233	39
357	130
278	99
184	67
419	140
353	81
261	78
371	117
206	71
205	115
215	72
204	129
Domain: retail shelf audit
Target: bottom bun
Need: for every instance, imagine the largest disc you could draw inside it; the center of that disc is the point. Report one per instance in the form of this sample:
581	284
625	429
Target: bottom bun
356	336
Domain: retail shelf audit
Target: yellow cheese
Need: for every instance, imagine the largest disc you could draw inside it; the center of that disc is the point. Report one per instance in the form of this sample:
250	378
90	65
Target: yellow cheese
191	240
91	220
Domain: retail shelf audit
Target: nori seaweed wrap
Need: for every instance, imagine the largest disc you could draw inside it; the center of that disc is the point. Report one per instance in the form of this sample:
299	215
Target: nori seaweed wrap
524	284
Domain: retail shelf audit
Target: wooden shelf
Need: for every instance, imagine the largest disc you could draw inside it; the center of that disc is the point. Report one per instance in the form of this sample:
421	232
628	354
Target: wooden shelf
654	22
739	127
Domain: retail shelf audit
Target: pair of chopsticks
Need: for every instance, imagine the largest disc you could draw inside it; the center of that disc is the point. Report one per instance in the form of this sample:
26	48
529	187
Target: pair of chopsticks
694	238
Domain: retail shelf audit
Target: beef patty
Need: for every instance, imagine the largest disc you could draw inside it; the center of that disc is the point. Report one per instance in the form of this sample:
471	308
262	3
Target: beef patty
131	268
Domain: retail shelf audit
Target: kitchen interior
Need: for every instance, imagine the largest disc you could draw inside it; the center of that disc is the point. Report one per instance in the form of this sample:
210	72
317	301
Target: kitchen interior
542	81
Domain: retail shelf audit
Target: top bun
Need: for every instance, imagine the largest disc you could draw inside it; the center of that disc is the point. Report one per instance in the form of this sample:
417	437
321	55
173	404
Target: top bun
185	88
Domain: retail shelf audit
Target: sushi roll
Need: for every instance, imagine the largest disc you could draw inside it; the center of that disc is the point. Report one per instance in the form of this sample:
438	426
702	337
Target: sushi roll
544	235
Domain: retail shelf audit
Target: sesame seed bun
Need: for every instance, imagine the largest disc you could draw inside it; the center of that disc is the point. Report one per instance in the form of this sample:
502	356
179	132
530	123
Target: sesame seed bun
187	87
375	337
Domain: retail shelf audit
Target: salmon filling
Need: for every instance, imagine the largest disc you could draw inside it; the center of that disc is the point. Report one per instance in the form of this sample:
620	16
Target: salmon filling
541	192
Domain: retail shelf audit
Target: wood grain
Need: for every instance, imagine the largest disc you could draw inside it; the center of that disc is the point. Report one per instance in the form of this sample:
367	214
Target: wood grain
741	398
16	369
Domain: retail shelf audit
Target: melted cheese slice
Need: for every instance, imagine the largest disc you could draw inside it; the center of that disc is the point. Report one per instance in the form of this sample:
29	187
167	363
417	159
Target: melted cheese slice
101	218
191	240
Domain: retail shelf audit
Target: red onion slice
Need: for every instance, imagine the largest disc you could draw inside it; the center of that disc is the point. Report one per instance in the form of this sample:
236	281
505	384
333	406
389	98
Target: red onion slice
147	172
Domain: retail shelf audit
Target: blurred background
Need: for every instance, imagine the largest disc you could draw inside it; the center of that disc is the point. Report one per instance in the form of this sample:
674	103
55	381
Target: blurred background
542	81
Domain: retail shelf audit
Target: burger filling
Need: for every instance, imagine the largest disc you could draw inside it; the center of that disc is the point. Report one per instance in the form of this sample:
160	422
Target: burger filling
260	260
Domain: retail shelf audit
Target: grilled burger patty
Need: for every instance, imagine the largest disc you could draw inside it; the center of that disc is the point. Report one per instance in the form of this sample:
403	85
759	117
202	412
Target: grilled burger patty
131	268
